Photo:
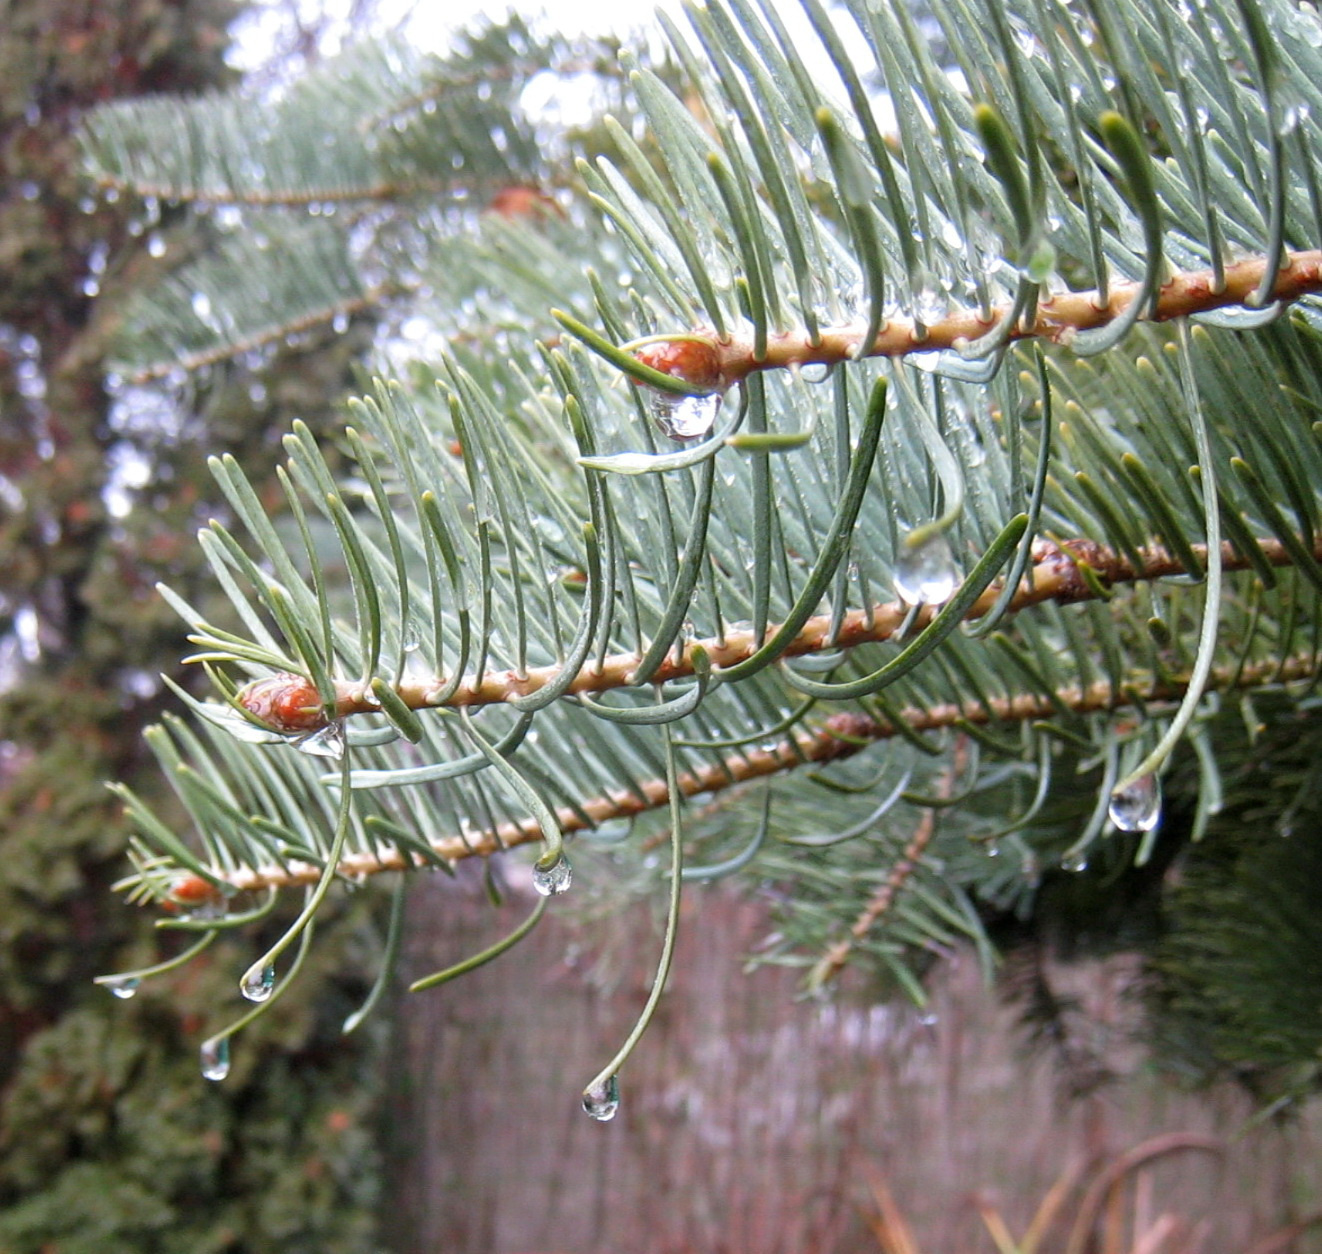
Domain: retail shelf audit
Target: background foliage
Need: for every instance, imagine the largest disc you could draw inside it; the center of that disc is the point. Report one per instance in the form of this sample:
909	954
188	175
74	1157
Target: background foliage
108	1141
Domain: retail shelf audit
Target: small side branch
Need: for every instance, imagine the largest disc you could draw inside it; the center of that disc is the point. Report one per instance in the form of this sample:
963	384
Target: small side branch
840	736
1059	317
1065	573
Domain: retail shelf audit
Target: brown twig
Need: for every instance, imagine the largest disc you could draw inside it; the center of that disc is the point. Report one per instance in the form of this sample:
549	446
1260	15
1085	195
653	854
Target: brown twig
1057	574
1059	318
840	736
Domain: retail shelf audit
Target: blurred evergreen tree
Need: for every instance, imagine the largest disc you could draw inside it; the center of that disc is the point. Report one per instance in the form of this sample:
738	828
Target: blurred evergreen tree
106	1141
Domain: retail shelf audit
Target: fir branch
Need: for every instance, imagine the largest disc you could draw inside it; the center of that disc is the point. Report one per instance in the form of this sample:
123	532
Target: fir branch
1059	318
384	191
1066	573
840	736
231	349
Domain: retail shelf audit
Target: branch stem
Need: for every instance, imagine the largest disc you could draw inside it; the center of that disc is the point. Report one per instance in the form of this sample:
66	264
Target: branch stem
1065	573
840	736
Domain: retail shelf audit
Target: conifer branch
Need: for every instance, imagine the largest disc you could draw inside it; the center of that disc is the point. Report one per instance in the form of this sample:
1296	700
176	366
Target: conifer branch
230	349
840	736
1059	317
1067	573
385	190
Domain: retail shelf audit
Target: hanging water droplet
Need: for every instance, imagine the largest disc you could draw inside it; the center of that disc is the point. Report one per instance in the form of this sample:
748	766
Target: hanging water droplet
928	1020
993	848
215	1055
925	572
205	911
1137	808
1024	38
816	371
1041	263
554	878
156	244
257	983
1293	114
684	417
601	1101
1074	862
123	986
326	743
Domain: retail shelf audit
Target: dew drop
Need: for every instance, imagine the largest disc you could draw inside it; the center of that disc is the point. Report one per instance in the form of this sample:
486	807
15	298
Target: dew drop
925	572
929	306
1293	114
1137	808
205	911
1024	38
1074	862
215	1055
816	371
601	1101
326	743
156	244
928	1020
257	983
684	417
993	848
1041	263
123	986
552	879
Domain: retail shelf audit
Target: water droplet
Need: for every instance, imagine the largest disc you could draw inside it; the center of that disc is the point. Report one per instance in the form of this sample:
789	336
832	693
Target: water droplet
213	908
928	1020
201	303
1137	808
553	879
684	417
601	1101
816	371
929	305
1041	263
215	1055
1074	862
257	983
123	986
993	848
1024	38
1294	112
326	743
926	572
156	244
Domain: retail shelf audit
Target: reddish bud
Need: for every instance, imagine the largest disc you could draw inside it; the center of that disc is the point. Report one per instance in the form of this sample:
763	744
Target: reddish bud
191	890
284	703
695	361
523	202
